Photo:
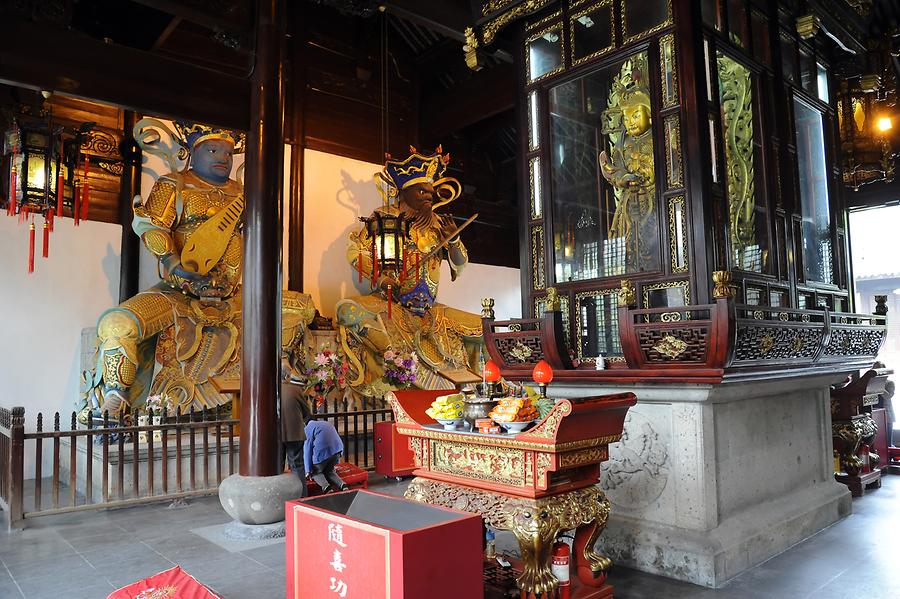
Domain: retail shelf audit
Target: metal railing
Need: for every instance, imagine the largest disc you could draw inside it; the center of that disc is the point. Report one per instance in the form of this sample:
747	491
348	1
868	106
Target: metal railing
170	457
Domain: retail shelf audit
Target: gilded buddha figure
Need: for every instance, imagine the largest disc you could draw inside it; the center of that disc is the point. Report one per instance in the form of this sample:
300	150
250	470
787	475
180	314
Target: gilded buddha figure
629	168
442	337
189	323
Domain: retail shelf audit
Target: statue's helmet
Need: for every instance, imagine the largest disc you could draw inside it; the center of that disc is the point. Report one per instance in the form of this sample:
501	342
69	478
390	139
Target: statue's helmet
420	168
193	134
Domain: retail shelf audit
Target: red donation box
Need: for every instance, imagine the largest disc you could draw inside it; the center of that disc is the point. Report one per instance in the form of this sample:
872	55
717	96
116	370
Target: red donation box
364	545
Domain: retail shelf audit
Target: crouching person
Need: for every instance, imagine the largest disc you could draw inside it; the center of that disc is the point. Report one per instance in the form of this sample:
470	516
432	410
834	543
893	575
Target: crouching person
321	453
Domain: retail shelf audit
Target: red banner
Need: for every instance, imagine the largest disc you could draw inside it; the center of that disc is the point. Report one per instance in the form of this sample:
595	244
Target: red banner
171	584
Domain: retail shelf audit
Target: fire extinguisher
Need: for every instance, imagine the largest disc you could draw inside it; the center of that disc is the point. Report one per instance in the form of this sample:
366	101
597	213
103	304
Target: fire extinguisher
560	567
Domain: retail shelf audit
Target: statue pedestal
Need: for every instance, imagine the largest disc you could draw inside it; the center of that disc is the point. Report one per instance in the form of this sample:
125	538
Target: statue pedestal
710	480
204	459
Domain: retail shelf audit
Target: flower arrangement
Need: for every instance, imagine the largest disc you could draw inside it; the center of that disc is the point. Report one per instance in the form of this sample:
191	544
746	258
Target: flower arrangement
400	369
155	404
325	374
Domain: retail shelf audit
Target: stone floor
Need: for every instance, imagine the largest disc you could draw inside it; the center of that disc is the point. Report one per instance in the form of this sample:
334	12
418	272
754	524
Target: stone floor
88	555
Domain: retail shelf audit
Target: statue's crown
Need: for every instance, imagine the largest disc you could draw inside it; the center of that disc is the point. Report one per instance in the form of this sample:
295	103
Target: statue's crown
418	168
196	133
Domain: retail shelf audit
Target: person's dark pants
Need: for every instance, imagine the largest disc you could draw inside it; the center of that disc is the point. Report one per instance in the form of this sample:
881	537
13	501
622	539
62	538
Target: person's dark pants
293	452
325	476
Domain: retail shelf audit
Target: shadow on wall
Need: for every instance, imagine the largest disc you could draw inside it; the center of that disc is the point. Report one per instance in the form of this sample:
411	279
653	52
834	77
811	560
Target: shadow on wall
348	209
111	265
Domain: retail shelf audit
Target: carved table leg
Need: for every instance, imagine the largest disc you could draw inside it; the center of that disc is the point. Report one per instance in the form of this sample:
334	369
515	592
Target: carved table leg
535	529
592	567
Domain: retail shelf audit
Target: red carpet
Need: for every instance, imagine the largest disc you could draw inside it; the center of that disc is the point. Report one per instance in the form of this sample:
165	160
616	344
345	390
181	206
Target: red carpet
171	584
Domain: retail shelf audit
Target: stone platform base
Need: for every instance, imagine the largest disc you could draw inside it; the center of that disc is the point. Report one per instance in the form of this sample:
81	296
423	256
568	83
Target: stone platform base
710	480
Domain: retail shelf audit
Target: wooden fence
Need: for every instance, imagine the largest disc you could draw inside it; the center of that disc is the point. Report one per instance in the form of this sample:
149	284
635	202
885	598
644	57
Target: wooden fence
176	456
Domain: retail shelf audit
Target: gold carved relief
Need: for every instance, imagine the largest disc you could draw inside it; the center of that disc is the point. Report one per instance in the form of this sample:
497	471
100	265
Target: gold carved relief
495	464
537	257
670	346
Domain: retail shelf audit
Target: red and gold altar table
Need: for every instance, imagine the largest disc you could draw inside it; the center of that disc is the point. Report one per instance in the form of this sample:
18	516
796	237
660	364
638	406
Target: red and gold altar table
365	545
536	483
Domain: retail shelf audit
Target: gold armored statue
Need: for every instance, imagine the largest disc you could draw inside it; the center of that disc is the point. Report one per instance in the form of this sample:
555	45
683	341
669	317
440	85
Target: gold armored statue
189	323
401	316
629	167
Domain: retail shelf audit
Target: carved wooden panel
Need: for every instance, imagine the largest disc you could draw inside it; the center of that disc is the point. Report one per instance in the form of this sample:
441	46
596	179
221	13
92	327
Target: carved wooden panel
760	342
854	342
687	344
520	350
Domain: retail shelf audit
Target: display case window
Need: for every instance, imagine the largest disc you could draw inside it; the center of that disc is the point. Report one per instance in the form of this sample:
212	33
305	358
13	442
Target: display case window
809	74
714	155
597	324
540	308
747	217
670	294
668	71
534	136
602	174
544	53
822	83
592	31
761	43
737	22
537	198
754	296
814	199
678	234
788	58
641	17
710	11
778	298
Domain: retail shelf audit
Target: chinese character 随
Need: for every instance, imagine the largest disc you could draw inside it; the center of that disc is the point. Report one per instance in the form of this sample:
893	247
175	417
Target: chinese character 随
336	562
336	534
339	587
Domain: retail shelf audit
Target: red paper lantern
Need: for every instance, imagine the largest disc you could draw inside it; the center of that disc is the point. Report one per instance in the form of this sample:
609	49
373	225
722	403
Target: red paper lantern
490	372
542	373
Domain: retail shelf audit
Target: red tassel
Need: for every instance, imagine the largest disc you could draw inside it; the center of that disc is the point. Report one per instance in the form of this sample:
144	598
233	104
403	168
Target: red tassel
60	186
11	205
76	208
86	189
418	274
390	294
31	248
23	214
46	248
374	269
403	268
359	268
51	218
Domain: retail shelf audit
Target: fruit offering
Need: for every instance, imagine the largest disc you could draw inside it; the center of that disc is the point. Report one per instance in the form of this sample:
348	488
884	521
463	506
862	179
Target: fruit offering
446	407
514	409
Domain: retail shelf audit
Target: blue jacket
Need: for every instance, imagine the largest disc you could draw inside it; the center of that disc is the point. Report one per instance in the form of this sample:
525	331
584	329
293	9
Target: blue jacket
322	442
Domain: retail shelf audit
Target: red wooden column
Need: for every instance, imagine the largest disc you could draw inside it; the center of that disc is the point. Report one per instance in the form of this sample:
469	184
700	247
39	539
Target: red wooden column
262	247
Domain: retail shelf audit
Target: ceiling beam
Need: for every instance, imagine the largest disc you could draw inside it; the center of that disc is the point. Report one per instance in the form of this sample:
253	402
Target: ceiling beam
211	20
77	65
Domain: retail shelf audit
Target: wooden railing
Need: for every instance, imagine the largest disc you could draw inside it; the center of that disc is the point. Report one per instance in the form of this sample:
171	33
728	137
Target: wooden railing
181	455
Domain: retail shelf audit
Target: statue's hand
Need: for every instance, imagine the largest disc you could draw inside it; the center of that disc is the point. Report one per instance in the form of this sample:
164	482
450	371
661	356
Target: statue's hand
631	180
448	227
172	267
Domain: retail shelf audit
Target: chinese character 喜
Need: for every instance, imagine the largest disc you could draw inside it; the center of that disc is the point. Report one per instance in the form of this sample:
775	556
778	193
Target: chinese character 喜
336	563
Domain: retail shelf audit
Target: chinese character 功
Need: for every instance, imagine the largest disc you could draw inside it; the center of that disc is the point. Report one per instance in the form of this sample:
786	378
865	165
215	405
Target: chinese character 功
336	534
339	587
336	563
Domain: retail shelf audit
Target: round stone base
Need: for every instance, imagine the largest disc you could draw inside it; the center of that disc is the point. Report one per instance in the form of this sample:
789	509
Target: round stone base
253	532
258	499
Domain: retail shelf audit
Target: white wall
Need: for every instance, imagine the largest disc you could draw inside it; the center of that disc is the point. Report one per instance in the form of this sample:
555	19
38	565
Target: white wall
43	313
336	192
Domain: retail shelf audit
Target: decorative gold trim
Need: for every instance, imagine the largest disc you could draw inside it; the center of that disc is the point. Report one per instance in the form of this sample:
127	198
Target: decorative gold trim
547	428
425	433
400	415
552	299
722	286
672	140
585	456
487	308
808	26
612	31
529	27
492	6
538	278
562	53
579	298
628	39
537	203
503	465
674	204
490	29
668	41
670	346
626	293
533	134
685	285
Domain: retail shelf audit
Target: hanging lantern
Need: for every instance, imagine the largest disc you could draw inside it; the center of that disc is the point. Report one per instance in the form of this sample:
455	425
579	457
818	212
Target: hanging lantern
389	234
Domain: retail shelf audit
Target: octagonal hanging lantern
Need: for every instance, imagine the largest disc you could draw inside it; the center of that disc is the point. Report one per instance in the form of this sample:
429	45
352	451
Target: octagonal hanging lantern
389	234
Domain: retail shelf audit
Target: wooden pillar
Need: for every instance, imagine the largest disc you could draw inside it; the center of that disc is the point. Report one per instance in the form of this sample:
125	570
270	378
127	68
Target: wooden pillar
130	186
262	248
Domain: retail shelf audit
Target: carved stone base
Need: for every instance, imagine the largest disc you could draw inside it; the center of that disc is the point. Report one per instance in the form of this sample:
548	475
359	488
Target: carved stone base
710	480
535	524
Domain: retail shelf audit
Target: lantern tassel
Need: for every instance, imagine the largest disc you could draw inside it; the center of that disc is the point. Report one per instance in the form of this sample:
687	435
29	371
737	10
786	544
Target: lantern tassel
390	298
46	249
31	248
11	205
374	270
86	188
359	268
51	218
60	186
76	209
403	268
